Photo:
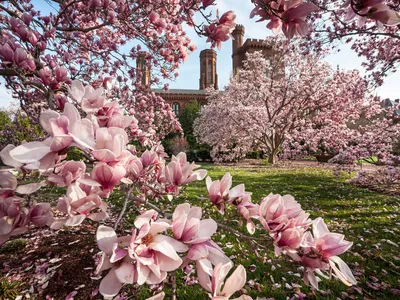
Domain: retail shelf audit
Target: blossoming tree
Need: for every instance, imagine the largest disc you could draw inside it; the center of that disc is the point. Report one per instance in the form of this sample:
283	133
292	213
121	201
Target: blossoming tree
98	42
369	27
294	102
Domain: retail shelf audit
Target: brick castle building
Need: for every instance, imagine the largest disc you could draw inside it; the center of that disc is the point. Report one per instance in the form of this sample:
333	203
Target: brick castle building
178	98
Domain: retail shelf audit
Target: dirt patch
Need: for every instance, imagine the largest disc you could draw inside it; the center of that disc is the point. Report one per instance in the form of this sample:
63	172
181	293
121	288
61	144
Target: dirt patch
53	264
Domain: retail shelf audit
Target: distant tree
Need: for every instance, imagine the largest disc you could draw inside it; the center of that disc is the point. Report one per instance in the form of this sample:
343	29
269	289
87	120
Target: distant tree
16	127
189	114
4	119
309	105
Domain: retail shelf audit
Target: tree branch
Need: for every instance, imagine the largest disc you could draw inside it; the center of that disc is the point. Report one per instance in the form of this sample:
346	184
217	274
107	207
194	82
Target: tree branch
124	207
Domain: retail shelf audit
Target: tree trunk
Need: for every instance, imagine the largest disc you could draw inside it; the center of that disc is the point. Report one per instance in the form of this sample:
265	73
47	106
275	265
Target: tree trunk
272	158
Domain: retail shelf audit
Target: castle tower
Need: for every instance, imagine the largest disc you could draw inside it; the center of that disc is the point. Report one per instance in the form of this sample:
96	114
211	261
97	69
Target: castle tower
237	43
143	67
208	69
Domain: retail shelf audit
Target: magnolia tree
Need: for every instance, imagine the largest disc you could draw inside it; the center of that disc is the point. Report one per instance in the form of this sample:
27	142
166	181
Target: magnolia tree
294	102
98	42
369	27
159	243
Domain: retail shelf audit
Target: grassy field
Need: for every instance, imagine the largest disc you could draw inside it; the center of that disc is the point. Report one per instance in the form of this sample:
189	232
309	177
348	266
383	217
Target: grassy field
368	219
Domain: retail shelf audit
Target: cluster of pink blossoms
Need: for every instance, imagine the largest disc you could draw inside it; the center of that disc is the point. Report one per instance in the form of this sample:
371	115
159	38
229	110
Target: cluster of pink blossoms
288	16
375	10
220	30
149	253
156	246
102	136
287	224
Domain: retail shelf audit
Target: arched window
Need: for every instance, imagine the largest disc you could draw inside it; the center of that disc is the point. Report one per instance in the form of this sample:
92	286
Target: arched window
175	108
210	78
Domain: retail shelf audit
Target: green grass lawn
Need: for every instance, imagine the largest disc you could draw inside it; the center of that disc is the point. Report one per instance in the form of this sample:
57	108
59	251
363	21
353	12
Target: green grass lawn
370	220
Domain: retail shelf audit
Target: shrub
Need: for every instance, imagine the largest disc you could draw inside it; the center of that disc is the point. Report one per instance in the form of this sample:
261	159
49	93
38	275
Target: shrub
178	144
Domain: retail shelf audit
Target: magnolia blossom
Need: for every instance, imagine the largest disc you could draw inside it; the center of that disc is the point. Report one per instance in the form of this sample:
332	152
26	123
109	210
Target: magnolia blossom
179	172
79	205
374	10
218	191
13	217
67	173
234	282
285	221
89	98
280	212
156	254
206	255
188	227
111	144
65	130
108	175
8	184
114	257
320	252
41	214
288	16
7	159
111	115
248	210
220	30
144	257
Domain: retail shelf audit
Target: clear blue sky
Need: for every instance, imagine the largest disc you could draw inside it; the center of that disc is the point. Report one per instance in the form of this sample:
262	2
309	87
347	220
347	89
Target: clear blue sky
190	71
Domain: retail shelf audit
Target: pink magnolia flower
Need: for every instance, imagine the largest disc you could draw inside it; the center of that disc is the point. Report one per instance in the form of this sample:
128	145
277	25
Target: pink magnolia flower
108	175
384	14
320	253
6	54
65	130
79	205
217	34
13	218
135	168
374	10
114	256
179	172
218	191
248	210
288	240
293	19
233	284
220	30
41	214
207	3
148	158
206	255
110	144
90	99
67	173
8	184
111	115
228	19
155	254
278	213
188	227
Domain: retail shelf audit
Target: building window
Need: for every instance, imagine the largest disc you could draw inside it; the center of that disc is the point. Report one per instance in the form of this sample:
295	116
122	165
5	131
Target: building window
175	108
210	72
